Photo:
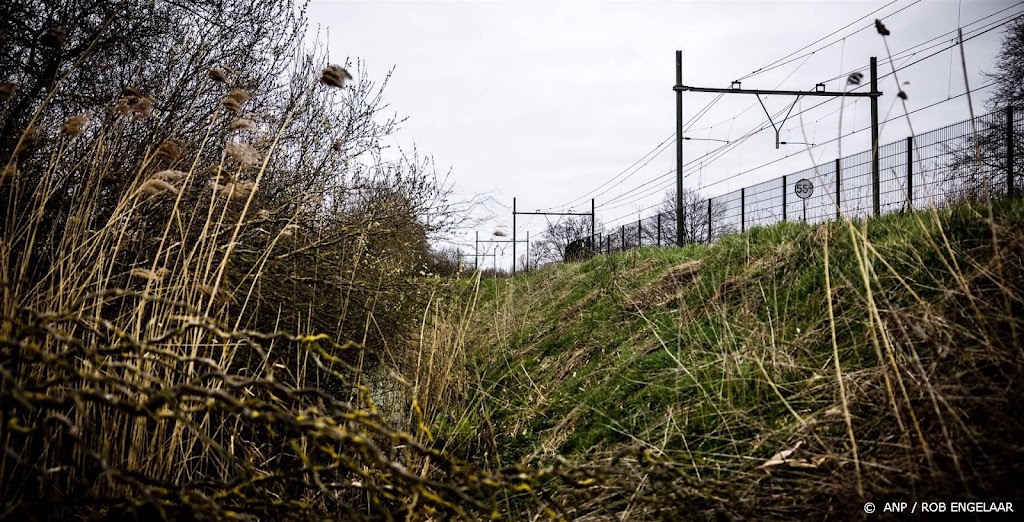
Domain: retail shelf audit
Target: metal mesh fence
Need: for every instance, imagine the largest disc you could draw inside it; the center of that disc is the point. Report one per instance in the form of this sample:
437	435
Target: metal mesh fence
968	160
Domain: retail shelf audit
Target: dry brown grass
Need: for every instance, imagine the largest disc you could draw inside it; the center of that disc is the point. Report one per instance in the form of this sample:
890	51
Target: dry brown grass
153	360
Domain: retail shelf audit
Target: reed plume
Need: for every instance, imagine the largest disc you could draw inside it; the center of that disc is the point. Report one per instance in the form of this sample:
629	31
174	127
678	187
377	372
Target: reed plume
335	76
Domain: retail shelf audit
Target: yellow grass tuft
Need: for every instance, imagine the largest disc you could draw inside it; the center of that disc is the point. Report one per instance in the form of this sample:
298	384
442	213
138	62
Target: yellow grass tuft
169	175
335	76
151	275
121	109
132	94
170	150
234	100
143	108
220	296
75	125
9	173
231	105
242	124
235	190
240	95
156	186
242	153
217	76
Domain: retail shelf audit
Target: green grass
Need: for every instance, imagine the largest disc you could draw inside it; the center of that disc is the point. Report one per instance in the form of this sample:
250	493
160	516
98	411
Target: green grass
720	372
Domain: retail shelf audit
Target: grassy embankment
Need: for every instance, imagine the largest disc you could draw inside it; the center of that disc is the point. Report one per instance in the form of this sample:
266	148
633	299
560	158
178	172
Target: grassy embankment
887	353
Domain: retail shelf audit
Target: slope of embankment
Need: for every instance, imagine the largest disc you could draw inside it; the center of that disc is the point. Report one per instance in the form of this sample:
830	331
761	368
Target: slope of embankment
792	371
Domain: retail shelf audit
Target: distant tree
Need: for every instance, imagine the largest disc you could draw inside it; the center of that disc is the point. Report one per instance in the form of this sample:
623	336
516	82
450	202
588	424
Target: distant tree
446	261
695	219
977	165
556	237
524	264
492	272
1009	74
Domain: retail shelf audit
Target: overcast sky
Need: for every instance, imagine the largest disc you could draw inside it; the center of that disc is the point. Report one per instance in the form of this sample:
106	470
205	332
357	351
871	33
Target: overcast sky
546	101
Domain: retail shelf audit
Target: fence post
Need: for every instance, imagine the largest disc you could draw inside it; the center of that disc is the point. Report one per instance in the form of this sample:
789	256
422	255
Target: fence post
783	199
659	229
709	221
1010	187
639	233
910	173
622	236
743	209
839	190
593	223
608	245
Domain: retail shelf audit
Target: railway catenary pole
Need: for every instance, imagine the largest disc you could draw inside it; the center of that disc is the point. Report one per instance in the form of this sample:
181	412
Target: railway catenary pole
819	90
875	176
679	149
592	214
539	213
503	241
527	250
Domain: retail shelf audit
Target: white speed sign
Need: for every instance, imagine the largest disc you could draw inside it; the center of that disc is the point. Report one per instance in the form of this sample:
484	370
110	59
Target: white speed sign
804	188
